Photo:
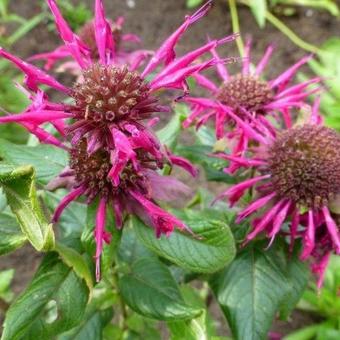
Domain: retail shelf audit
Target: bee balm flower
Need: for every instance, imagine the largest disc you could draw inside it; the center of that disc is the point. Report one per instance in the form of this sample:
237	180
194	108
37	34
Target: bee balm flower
296	178
114	156
250	97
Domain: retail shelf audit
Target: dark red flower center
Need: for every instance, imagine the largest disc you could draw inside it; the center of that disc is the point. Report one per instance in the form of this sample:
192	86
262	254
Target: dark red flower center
304	163
247	92
91	171
109	93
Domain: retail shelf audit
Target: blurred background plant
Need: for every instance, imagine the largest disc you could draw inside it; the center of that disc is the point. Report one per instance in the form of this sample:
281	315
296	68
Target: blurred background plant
324	305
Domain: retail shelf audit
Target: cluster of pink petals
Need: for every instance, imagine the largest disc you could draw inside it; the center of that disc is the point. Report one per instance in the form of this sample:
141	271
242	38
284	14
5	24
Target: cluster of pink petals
285	98
123	140
120	55
316	227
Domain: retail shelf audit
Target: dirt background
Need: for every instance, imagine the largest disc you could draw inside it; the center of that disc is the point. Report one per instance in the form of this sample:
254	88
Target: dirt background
153	20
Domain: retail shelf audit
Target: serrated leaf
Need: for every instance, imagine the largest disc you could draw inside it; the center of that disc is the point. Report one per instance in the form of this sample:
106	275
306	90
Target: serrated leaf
151	291
47	160
54	302
250	291
74	260
11	237
19	187
208	251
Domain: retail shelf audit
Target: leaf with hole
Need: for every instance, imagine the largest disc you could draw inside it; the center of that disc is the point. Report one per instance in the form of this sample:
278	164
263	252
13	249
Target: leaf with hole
53	302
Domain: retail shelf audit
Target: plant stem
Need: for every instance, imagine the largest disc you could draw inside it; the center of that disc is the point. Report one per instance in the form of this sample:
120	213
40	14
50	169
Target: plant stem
290	34
236	25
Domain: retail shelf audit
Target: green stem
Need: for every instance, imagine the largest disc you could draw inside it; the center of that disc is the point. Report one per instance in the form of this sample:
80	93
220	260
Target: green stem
236	25
290	34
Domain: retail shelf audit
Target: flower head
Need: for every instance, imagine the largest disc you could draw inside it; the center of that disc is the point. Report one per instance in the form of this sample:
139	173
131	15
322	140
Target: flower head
248	96
114	156
296	179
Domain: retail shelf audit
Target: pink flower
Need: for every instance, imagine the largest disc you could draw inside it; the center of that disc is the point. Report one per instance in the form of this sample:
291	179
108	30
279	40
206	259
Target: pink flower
114	155
108	96
133	189
295	179
87	36
249	97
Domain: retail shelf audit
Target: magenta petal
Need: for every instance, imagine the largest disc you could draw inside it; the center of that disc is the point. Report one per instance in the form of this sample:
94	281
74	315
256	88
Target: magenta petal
99	233
71	40
278	221
293	229
205	82
221	69
320	269
285	77
265	220
332	229
254	206
35	117
235	192
34	75
166	52
73	195
118	210
103	34
246	58
309	237
163	222
264	61
183	163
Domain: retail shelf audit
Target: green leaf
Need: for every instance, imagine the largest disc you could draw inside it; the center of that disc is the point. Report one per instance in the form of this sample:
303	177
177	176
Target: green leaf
169	133
207	251
199	154
259	8
73	219
193	3
54	302
19	187
74	260
47	160
11	237
297	275
6	277
250	291
151	291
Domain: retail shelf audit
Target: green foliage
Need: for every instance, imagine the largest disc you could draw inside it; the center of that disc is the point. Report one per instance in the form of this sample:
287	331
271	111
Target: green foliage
75	15
149	289
6	277
11	236
324	303
207	249
328	67
47	160
54	302
258	284
19	187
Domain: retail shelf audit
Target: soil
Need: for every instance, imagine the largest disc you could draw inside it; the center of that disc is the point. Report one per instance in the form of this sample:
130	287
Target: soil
153	21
